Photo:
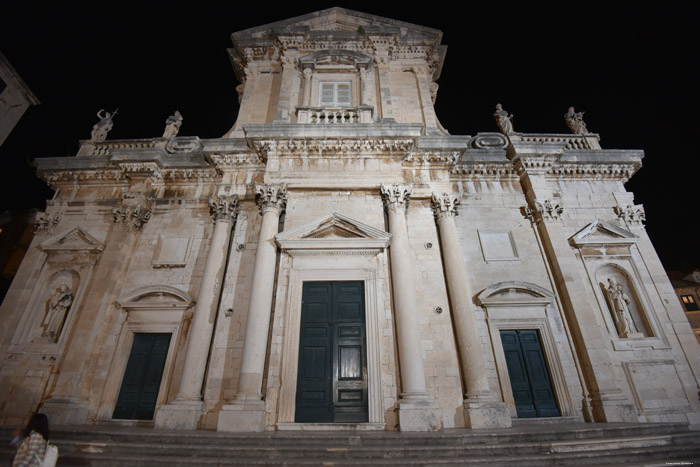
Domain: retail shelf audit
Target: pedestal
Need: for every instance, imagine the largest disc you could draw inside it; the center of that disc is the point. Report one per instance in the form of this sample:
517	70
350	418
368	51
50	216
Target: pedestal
486	414
183	415
242	416
418	415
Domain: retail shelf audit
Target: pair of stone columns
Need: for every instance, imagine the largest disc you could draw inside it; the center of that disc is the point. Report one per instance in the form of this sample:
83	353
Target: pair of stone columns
187	407
417	411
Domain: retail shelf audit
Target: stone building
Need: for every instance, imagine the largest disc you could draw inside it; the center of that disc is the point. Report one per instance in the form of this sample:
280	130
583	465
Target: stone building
15	98
309	269
687	287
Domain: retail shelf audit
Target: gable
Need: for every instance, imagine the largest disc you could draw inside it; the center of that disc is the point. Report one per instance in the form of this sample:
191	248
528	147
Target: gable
74	240
601	232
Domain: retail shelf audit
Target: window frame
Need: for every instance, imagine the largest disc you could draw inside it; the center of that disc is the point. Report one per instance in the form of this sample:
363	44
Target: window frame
335	84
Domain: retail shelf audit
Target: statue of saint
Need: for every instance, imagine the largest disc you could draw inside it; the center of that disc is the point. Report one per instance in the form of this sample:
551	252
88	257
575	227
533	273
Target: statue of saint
57	307
172	125
574	120
503	120
620	303
102	127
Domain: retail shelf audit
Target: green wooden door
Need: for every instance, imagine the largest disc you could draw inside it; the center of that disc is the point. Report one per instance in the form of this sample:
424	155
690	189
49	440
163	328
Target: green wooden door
529	378
144	371
332	372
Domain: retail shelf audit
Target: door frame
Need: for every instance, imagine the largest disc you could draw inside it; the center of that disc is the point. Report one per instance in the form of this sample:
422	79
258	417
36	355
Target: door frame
292	329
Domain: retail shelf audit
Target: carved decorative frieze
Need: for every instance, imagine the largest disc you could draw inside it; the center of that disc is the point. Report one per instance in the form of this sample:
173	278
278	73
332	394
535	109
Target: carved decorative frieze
224	208
445	157
133	217
545	210
271	196
396	196
631	214
230	161
148	169
85	176
484	170
318	145
45	222
444	205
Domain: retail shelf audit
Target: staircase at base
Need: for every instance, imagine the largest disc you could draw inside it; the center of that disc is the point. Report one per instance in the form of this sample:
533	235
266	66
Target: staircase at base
522	445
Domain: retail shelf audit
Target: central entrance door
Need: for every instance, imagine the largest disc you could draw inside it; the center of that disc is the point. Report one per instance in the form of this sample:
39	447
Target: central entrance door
529	378
332	372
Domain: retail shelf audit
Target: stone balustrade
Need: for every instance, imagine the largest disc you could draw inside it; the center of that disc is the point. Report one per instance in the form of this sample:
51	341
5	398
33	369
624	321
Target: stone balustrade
324	115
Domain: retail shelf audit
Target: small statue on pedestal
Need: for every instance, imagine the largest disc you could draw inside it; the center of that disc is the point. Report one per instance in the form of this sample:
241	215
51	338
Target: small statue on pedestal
102	127
574	120
503	120
172	125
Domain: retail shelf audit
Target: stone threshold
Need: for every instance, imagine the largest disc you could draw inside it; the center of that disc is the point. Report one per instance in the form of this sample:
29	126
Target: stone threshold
330	426
117	422
544	420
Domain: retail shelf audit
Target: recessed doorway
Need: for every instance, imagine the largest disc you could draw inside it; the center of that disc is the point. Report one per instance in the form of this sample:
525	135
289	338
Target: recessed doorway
332	371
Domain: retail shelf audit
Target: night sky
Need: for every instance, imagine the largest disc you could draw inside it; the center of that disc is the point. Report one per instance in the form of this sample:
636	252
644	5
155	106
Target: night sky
633	71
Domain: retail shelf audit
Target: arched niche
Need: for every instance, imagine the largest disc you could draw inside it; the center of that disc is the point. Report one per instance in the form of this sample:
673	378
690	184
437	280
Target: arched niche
621	297
150	309
518	305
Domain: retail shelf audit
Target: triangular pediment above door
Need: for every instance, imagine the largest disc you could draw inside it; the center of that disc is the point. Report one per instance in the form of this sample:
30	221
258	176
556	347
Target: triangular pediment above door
601	232
333	233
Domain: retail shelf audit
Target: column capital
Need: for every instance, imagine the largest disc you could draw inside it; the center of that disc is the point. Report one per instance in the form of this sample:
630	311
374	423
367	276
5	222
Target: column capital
396	196
223	208
271	197
444	205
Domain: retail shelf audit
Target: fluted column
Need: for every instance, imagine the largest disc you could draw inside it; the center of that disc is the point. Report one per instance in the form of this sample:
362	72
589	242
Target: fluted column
224	211
482	408
246	412
417	410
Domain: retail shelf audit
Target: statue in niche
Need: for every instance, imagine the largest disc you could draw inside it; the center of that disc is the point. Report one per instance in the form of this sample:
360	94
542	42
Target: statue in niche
102	127
172	125
504	120
574	120
620	303
57	307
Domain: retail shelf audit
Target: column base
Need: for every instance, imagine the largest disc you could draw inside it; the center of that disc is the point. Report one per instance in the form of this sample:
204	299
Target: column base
177	415
419	414
242	416
613	407
67	411
479	414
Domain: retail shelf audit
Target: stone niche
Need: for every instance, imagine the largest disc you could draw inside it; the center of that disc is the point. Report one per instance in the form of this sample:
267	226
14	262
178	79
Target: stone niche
54	302
615	270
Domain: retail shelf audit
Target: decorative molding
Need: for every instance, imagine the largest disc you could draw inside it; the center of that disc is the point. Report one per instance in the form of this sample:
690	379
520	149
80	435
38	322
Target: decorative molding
444	205
514	293
396	196
333	145
541	211
147	169
444	157
271	197
631	214
225	162
134	217
224	208
489	141
600	233
46	221
184	145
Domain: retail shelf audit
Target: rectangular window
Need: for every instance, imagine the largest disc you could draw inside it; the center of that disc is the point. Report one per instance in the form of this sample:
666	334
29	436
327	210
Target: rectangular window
335	94
689	303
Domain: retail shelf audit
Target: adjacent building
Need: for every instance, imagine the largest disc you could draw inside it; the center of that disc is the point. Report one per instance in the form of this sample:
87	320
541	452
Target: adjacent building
338	260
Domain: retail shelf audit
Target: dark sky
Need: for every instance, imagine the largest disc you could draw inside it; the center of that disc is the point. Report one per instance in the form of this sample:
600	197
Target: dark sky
632	70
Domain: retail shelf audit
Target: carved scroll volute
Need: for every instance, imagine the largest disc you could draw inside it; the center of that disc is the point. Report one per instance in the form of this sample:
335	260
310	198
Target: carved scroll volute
224	208
396	196
444	205
271	197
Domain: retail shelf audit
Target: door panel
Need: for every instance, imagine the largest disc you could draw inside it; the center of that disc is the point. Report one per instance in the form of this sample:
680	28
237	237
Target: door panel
529	378
144	371
332	375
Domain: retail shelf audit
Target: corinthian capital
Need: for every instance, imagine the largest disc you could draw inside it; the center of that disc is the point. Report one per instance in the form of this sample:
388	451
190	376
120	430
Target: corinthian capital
224	208
271	197
444	205
396	196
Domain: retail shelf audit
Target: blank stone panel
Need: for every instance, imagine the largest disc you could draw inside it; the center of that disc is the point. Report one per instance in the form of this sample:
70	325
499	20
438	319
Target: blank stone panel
498	246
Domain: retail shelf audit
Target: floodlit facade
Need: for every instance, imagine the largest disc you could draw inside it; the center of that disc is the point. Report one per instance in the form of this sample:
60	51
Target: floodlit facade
338	260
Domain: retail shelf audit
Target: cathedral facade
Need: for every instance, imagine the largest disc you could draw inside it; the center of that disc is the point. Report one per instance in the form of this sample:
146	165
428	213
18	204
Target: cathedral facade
338	260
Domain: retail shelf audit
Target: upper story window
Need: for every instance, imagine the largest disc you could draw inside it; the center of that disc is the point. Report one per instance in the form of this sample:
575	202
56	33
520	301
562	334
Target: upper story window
335	94
689	303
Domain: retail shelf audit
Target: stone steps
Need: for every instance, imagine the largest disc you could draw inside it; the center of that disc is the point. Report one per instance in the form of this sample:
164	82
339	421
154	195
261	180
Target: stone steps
525	445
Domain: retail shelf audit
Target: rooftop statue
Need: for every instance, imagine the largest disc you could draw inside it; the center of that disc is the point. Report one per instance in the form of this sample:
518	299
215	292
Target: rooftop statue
172	125
574	120
102	127
503	120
